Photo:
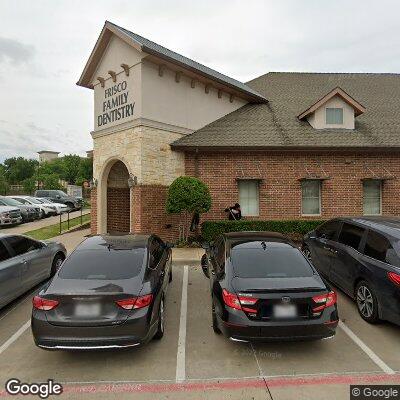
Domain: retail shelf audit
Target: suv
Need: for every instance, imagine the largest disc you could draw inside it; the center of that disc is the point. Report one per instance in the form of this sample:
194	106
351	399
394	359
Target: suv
361	255
9	216
60	197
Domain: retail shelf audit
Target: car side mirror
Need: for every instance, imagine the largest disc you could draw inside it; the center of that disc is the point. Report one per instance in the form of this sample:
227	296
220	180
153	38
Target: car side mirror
204	266
169	245
58	196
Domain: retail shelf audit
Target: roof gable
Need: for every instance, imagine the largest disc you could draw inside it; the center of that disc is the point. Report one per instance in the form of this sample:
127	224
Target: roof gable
151	48
358	108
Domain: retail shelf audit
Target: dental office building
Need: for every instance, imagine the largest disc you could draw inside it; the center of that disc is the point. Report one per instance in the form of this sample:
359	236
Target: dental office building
284	145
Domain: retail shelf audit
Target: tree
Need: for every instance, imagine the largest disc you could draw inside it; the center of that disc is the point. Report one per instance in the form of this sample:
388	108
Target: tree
71	166
85	172
3	181
50	182
17	169
29	185
187	195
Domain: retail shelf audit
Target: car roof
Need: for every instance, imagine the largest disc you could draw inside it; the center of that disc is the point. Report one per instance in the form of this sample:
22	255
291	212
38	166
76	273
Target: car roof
116	241
254	235
384	224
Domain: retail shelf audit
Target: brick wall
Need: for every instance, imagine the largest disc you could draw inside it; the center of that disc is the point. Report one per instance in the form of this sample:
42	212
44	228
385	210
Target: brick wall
280	188
93	218
118	203
149	215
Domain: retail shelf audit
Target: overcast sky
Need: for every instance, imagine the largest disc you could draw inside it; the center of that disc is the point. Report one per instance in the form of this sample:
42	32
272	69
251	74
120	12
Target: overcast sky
44	46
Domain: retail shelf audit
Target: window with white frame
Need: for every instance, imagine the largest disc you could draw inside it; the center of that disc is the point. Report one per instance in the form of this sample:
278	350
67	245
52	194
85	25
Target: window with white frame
311	197
372	197
249	197
334	116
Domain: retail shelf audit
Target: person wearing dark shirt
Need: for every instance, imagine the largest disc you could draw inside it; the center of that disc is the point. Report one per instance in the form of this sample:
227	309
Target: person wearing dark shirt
234	213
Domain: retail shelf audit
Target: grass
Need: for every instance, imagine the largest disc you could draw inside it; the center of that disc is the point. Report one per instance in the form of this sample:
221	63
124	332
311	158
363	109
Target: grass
50	231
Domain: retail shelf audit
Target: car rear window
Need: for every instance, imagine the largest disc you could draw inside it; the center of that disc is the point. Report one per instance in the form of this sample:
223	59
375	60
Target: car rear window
270	261
103	265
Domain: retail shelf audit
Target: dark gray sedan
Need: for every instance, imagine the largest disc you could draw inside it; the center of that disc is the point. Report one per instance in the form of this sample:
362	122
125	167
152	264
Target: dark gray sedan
24	263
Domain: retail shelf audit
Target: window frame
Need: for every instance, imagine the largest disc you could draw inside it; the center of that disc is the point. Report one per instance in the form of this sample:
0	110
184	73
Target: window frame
368	231
320	198
361	245
380	196
326	116
257	183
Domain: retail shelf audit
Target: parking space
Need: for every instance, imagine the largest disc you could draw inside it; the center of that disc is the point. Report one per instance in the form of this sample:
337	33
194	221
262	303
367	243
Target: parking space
193	362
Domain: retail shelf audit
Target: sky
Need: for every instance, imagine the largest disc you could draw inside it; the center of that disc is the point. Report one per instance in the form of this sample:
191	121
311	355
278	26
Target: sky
44	45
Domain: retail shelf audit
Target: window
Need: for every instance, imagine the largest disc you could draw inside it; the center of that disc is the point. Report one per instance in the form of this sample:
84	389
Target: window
329	230
372	191
220	253
249	197
351	235
92	264
21	245
334	116
269	260
3	252
377	246
157	250
311	197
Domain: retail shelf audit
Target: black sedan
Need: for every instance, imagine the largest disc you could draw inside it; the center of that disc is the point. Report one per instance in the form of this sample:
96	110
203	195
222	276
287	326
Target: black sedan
108	294
263	289
362	257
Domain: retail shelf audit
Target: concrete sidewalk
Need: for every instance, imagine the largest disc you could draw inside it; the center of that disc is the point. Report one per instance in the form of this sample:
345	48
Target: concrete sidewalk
187	254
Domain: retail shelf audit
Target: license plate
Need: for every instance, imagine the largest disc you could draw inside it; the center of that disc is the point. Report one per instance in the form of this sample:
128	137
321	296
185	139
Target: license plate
87	310
285	311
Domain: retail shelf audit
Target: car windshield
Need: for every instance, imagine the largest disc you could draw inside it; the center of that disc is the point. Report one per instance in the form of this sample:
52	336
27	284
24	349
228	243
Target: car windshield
269	260
103	265
11	202
34	201
61	193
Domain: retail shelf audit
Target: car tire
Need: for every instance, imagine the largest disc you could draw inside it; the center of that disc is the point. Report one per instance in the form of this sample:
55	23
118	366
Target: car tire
41	214
367	303
161	318
70	206
214	321
306	251
57	261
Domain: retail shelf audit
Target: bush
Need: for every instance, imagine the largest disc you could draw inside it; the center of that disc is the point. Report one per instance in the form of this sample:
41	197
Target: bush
292	228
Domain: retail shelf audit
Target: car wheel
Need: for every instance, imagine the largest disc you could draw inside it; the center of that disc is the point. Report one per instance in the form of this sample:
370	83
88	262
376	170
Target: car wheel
214	321
41	214
307	252
367	303
160	330
58	260
70	206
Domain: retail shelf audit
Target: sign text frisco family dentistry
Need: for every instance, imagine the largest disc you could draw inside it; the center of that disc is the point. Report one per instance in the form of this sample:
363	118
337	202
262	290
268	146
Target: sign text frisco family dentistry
115	105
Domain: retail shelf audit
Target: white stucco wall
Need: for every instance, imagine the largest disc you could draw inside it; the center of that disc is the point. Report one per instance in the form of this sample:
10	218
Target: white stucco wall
318	119
177	103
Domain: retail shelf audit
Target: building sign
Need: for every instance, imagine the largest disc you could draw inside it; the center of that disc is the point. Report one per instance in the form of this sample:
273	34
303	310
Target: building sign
116	105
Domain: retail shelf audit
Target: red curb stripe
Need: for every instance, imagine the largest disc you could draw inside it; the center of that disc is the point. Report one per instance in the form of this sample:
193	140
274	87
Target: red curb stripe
227	385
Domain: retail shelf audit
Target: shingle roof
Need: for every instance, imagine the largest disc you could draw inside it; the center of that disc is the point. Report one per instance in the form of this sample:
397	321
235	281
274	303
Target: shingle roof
275	124
153	48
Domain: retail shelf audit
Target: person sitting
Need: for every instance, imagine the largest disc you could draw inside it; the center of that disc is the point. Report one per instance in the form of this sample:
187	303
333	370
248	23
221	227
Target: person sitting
235	213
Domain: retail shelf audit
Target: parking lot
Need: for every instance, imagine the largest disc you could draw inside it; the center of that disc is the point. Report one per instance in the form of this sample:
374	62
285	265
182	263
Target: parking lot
192	362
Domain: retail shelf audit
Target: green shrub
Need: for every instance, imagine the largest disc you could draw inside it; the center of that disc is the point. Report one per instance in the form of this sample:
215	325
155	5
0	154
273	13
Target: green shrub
211	229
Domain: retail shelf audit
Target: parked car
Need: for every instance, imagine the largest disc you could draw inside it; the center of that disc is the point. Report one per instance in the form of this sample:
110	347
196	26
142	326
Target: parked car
362	257
46	209
60	208
264	289
24	263
109	293
60	197
28	212
10	216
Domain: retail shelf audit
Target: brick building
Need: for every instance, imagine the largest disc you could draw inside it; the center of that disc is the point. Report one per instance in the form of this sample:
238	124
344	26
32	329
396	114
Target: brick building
284	145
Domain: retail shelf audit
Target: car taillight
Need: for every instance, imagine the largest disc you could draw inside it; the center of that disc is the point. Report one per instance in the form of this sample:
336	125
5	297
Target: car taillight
395	278
239	302
324	301
135	302
44	304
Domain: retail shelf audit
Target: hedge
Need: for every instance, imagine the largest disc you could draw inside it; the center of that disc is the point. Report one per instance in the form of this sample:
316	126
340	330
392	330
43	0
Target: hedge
211	229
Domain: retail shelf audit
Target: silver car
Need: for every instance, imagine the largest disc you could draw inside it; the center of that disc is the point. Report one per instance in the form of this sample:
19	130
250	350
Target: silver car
25	262
9	215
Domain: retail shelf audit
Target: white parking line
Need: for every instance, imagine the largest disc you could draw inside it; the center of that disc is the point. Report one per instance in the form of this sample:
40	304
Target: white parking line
181	354
374	357
15	336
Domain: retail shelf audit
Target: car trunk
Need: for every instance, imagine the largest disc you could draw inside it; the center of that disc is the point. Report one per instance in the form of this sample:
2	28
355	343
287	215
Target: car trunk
91	302
277	296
